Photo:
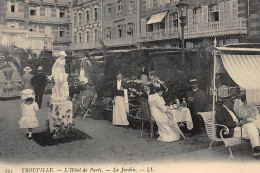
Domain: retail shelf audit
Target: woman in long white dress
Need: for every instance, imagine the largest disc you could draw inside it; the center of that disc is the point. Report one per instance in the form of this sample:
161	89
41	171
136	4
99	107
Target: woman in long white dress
158	108
60	91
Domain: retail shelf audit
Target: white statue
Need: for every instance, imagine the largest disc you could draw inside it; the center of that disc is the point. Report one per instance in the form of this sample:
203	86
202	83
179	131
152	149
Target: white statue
60	91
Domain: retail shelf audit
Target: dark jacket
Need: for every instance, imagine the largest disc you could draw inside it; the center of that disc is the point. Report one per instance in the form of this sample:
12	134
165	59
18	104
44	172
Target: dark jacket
116	92
223	117
39	82
200	101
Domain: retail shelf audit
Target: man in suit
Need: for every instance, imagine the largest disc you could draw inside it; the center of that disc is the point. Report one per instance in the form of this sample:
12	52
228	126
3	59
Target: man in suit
39	82
197	102
118	99
225	115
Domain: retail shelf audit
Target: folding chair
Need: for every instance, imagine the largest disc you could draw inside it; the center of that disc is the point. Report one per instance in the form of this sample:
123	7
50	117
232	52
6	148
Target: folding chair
86	105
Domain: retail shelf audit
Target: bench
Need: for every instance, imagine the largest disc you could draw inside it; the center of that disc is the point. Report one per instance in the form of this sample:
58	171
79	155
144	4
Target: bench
211	128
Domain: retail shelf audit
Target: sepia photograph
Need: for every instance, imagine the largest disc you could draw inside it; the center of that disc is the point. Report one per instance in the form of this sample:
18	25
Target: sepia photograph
129	86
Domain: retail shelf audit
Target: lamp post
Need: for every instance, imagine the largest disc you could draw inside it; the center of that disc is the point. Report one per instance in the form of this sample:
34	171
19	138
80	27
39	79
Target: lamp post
45	42
182	12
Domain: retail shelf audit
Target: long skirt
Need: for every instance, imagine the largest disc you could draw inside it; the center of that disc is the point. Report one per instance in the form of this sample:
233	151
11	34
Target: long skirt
119	112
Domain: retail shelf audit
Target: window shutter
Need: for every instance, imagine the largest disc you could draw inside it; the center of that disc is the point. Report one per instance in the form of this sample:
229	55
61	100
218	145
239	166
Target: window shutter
114	32
16	25
114	9
134	28
143	27
151	3
9	6
147	5
75	19
222	11
228	10
190	16
58	12
124	29
37	11
204	14
16	6
134	5
99	14
234	9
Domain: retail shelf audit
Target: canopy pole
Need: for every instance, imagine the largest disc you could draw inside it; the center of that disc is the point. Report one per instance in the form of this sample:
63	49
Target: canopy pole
214	84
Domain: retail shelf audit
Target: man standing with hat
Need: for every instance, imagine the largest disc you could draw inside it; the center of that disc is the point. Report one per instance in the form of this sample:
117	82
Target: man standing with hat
225	115
197	102
39	83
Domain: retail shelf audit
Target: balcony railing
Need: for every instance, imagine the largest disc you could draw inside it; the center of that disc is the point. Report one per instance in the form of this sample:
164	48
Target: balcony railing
63	2
35	1
235	26
63	40
44	19
127	40
162	34
15	15
88	45
48	1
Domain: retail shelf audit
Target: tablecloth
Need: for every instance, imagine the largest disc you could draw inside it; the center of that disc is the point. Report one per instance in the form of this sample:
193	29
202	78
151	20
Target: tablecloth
181	115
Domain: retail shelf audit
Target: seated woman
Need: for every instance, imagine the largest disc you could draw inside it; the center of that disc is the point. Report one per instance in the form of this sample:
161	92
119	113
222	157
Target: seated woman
158	108
87	93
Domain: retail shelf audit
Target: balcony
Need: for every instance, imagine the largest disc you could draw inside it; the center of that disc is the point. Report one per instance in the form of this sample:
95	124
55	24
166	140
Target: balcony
63	2
88	45
44	19
63	40
128	40
229	27
35	1
15	15
48	2
162	34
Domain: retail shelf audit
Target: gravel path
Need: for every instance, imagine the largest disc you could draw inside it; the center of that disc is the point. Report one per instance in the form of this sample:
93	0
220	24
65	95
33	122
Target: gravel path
109	143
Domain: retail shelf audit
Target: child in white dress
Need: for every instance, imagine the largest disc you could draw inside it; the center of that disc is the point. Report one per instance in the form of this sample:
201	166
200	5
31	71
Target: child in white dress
28	107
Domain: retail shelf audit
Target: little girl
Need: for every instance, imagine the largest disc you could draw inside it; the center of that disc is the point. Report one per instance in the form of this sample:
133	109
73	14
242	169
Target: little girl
28	107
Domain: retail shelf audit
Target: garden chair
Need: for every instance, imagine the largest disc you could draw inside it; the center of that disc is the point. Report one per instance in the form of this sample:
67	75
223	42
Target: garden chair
145	115
211	128
86	105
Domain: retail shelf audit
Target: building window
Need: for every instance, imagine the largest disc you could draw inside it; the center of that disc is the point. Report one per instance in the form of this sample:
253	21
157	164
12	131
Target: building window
149	4
197	15
95	14
213	13
12	7
62	13
80	17
87	36
33	11
87	16
130	29
109	33
109	9
162	24
175	20
32	28
119	6
119	31
95	35
131	5
150	28
62	32
79	36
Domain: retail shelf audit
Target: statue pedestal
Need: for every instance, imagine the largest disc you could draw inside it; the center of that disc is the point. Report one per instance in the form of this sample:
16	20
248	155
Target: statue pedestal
60	118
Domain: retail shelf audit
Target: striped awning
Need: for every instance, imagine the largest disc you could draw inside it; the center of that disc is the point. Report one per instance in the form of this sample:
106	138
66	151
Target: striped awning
158	17
244	69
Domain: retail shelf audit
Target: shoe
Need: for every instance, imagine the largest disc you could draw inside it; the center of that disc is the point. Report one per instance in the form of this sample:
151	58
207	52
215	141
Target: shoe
29	138
126	127
27	134
256	151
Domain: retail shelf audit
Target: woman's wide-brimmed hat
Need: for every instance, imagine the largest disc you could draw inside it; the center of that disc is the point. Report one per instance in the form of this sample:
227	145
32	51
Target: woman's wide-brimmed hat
62	54
27	69
40	68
